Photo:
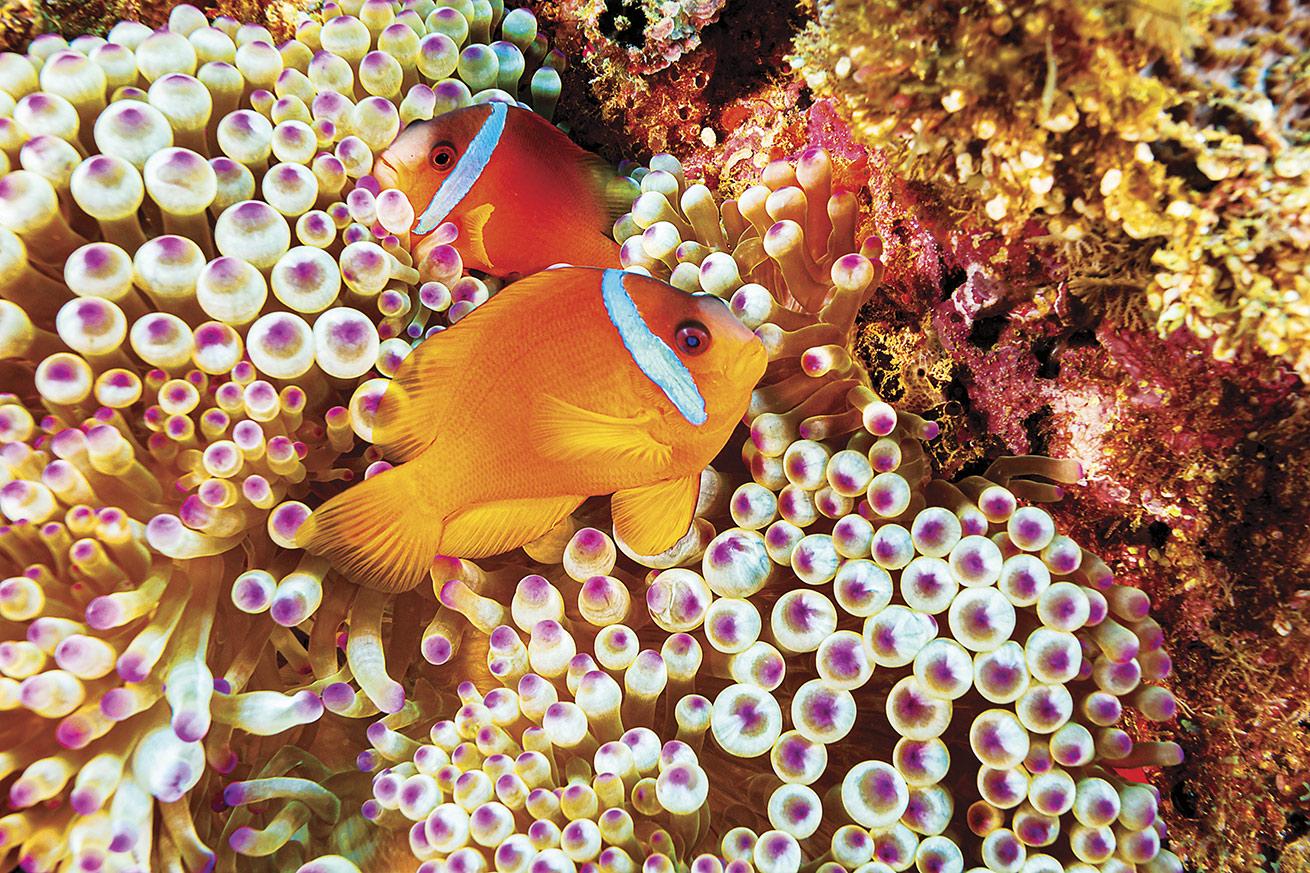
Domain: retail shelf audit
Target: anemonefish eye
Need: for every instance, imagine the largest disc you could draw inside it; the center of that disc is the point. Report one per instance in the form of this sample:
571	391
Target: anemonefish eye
442	157
692	338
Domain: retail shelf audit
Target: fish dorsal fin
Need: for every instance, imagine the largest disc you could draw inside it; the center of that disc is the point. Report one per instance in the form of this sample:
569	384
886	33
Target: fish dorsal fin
474	225
415	403
563	431
381	533
615	193
492	528
412	407
652	518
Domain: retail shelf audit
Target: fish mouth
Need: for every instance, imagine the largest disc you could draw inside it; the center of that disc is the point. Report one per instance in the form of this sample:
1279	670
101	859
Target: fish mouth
750	365
387	175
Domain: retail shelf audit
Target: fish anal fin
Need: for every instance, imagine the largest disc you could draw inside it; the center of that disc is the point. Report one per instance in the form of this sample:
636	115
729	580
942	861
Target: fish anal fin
486	529
563	431
380	533
549	547
472	240
650	519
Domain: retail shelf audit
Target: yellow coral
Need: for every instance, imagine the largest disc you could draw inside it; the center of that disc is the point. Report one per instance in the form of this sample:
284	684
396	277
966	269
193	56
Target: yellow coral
1094	119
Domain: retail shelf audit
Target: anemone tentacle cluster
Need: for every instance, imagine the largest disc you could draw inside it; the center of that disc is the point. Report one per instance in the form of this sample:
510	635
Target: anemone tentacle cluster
935	676
573	705
155	187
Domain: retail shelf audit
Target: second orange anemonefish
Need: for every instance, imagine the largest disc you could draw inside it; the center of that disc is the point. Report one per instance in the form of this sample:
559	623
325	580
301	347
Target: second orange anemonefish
522	195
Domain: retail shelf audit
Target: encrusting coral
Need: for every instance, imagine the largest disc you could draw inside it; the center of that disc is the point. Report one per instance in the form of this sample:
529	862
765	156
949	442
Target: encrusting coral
649	36
169	648
624	97
1160	148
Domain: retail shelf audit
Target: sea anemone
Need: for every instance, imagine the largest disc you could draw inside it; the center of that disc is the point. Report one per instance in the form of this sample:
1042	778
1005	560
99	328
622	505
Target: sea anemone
169	412
206	295
948	623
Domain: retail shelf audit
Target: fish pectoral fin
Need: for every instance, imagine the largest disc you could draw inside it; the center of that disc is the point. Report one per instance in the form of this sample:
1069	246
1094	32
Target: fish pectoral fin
472	227
380	533
652	518
486	529
565	432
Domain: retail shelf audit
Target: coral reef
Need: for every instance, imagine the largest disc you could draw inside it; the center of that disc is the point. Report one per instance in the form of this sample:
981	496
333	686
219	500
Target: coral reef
731	74
1159	149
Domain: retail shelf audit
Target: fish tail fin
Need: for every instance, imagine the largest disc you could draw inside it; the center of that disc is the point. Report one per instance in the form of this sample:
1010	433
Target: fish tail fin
377	532
615	193
619	194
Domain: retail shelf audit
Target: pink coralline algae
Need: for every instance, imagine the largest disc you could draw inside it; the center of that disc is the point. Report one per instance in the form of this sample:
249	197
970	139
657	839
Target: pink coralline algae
645	35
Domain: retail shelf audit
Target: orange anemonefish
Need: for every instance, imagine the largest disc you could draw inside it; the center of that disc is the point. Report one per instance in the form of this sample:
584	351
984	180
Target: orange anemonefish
571	383
522	195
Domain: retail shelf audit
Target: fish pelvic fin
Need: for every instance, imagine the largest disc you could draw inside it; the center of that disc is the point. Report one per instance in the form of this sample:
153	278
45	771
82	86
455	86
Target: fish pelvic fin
486	529
377	533
652	518
473	225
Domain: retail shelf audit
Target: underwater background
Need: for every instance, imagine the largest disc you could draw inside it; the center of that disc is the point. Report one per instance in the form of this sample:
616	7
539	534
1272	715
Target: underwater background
967	232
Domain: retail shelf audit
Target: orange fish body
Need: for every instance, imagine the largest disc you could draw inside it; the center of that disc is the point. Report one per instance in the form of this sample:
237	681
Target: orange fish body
571	383
522	195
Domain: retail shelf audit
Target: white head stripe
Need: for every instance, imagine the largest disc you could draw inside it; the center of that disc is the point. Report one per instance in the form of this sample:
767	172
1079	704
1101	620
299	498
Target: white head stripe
468	169
650	353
